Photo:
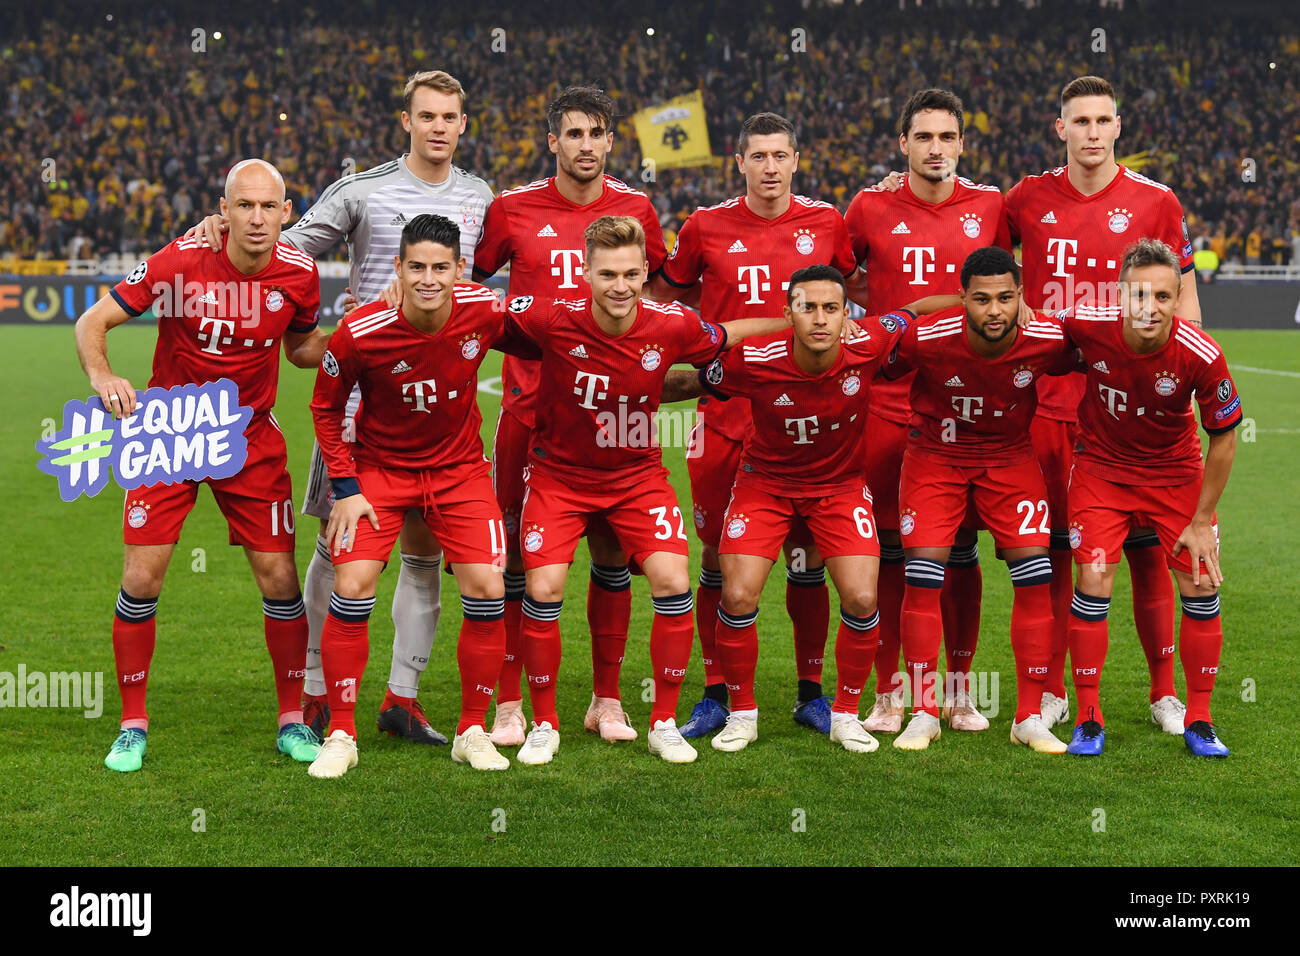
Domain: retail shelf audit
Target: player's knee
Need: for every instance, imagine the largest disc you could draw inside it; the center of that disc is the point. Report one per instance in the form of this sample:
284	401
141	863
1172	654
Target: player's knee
352	583
545	590
859	602
142	583
738	598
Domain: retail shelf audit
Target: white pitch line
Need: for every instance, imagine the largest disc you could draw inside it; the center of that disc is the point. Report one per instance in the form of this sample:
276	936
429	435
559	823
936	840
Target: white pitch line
491	385
1265	371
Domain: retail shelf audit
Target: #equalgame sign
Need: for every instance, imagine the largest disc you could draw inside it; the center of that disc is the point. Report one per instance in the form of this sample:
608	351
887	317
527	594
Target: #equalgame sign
185	433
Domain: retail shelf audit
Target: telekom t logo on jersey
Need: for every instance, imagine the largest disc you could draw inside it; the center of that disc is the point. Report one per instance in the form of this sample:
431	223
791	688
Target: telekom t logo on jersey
968	406
586	390
803	429
752	282
566	265
1114	399
1061	253
921	264
218	331
417	392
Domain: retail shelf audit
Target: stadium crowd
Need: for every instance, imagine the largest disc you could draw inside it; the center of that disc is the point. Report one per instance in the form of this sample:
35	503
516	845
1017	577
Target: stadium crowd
116	134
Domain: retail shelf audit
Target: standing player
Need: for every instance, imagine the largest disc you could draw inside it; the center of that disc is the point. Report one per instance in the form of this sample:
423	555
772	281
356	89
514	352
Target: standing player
1138	460
594	455
539	230
1073	224
368	210
808	395
419	449
912	242
972	399
202	340
735	253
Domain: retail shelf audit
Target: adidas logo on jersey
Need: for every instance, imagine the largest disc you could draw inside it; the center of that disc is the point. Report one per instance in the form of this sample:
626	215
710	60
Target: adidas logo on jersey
546	232
398	220
1050	217
578	352
954	382
401	367
783	400
901	229
737	246
209	298
1101	367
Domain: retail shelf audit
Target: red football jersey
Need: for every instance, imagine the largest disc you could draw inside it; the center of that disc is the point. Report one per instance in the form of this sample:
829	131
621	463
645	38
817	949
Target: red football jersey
215	322
419	392
744	263
806	428
1071	246
968	409
1136	424
541	235
911	249
600	393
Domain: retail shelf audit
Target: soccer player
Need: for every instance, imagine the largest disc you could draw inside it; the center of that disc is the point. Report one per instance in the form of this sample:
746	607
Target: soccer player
202	340
419	448
538	230
912	242
972	397
594	455
1073	224
368	211
1138	460
808	397
732	256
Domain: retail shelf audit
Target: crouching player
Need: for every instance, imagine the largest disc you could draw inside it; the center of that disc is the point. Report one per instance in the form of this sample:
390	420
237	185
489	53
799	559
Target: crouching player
808	394
1138	457
417	368
595	454
973	397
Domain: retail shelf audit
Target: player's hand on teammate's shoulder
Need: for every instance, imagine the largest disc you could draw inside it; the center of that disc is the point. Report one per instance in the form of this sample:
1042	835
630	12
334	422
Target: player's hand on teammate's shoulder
1025	315
209	230
117	394
349	300
1202	544
341	531
392	295
850	330
890	184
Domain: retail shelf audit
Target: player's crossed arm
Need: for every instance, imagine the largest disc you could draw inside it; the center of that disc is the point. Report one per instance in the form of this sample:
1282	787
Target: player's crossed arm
116	392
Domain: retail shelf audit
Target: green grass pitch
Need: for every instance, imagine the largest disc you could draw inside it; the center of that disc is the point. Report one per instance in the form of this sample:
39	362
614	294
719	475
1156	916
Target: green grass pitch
791	798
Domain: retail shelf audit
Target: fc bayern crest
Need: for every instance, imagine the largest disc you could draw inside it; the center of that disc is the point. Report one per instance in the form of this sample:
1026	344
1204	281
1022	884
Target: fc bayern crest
736	527
274	300
970	226
1076	537
138	515
906	524
533	541
469	348
803	243
468	215
1022	378
699	517
1118	221
850	385
1166	386
651	359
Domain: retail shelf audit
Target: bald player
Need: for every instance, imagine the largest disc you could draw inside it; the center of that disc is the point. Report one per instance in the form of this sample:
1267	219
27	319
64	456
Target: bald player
257	292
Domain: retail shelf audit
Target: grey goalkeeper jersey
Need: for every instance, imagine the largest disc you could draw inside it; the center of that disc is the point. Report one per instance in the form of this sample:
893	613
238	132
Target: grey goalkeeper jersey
369	209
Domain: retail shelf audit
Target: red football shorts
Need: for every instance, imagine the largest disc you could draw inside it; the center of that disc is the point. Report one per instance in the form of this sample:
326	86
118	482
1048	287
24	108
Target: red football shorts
840	525
1053	443
457	504
711	460
883	443
644	517
257	502
1010	500
1101	514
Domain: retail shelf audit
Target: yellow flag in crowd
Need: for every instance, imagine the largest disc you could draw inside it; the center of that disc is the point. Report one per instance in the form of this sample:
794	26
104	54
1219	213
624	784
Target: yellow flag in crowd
675	133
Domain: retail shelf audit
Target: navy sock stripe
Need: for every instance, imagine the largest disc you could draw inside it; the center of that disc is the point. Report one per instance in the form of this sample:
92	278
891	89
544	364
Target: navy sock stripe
923	573
860	623
542	610
1059	541
351	609
1031	571
483	609
710	579
892	554
674	605
514	582
284	609
1201	608
1148	539
967	556
1089	608
418	562
611	577
737	620
135	609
